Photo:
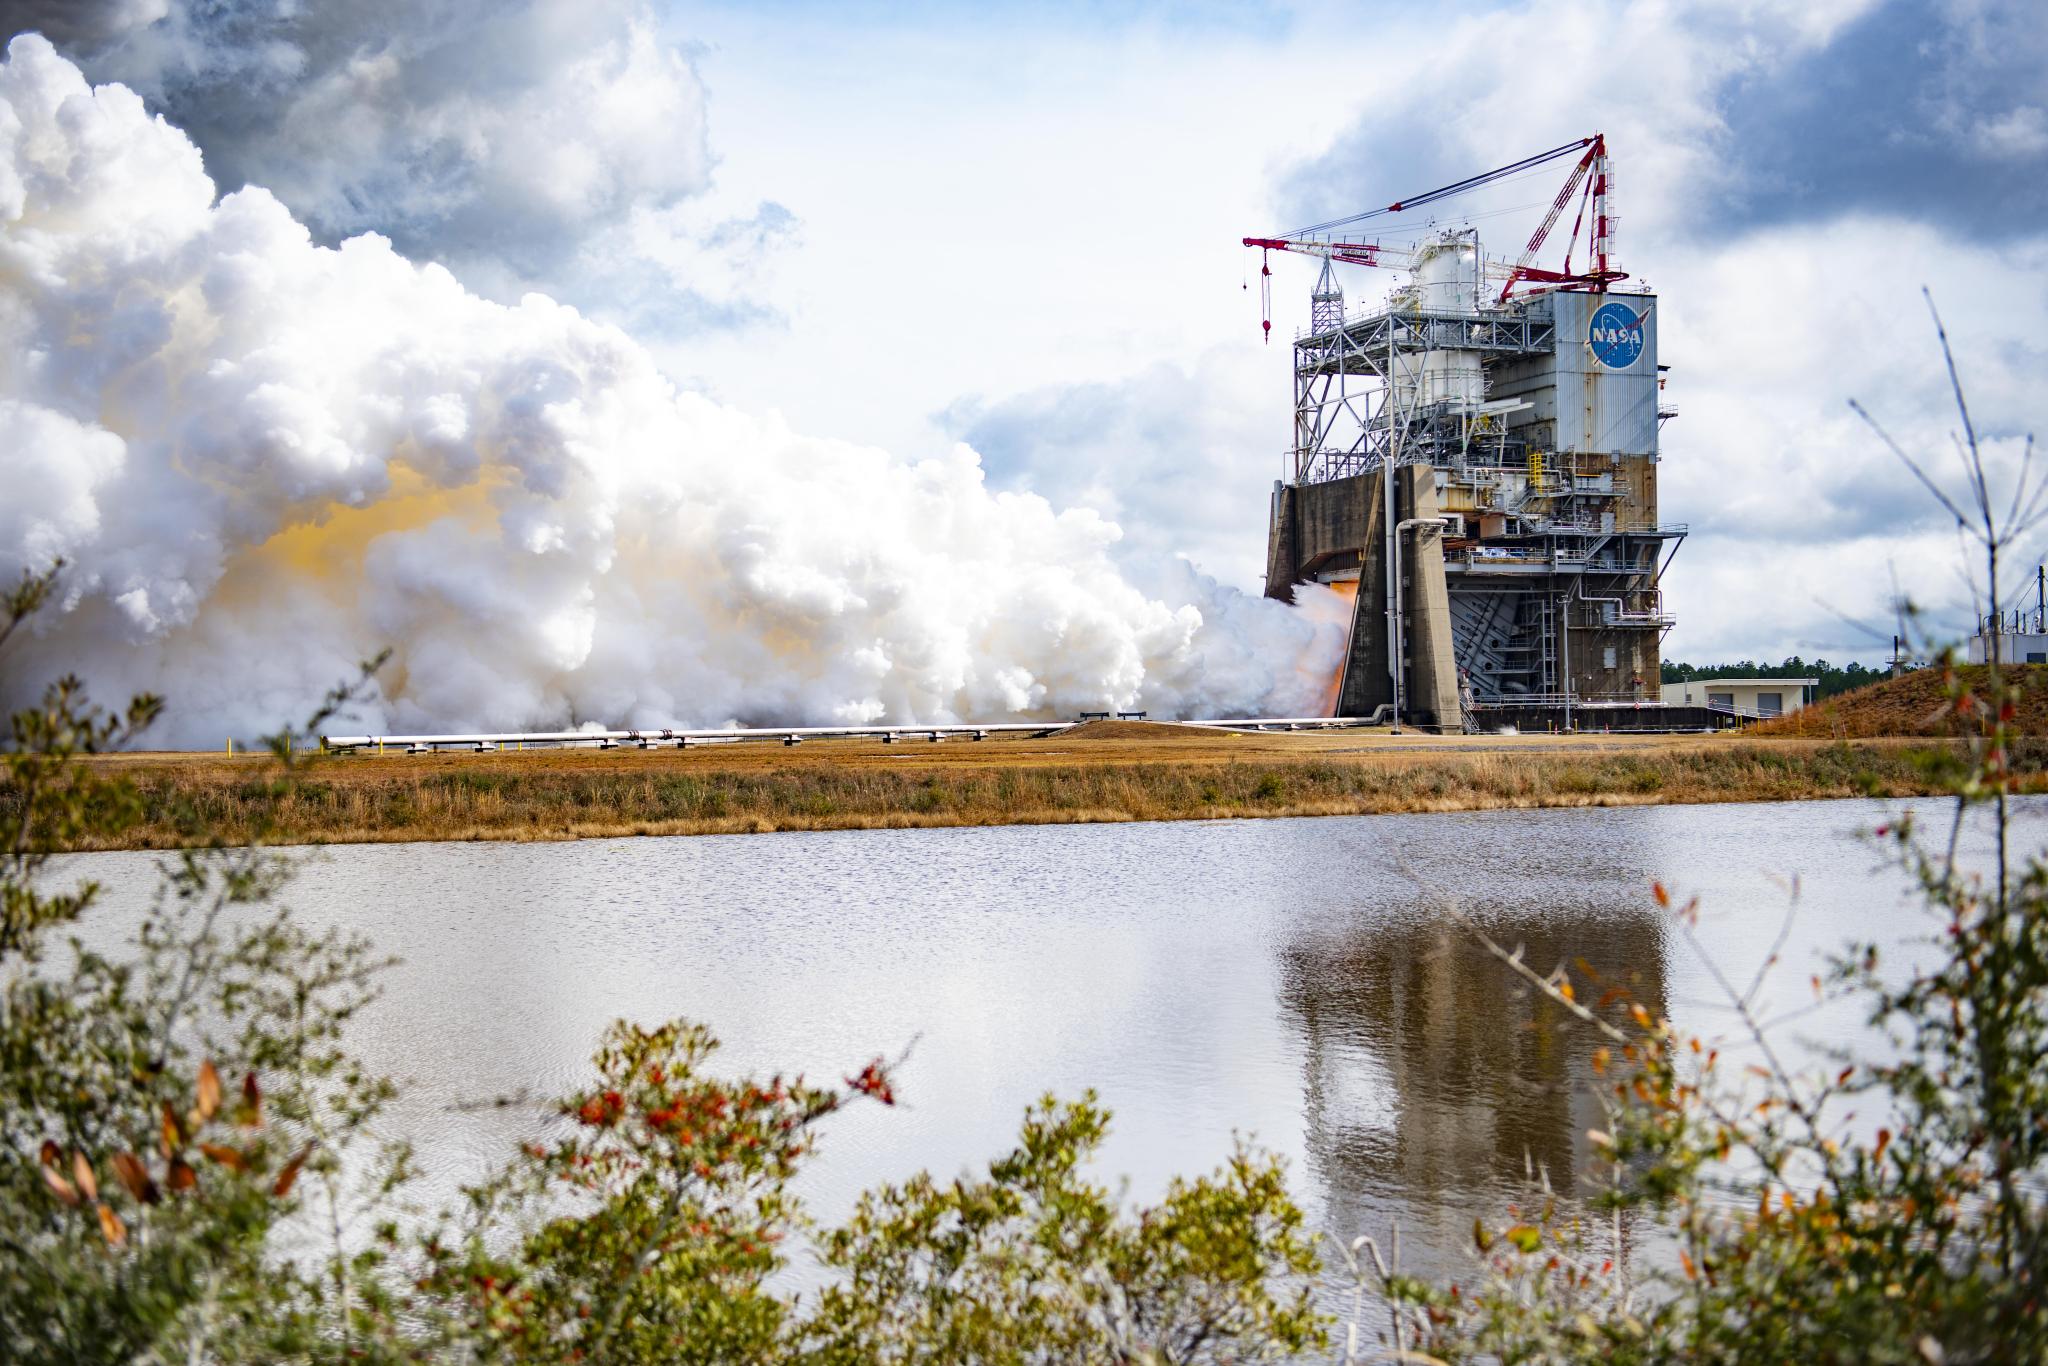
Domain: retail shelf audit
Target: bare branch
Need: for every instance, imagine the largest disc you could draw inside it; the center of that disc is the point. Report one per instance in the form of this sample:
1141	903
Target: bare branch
1770	959
2019	485
1908	461
1528	974
1976	462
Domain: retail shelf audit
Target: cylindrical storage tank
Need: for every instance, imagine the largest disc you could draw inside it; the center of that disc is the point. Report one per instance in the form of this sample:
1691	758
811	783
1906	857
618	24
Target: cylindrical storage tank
1454	377
1447	272
1406	374
1447	279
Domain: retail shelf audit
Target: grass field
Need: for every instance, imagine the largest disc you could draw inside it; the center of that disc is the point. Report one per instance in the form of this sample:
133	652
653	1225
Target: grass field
1104	772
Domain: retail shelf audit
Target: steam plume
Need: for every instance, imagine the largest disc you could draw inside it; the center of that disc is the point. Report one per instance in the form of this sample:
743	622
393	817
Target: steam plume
265	457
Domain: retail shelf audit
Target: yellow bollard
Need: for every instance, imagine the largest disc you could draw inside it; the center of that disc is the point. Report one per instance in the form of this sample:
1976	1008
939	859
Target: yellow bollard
231	747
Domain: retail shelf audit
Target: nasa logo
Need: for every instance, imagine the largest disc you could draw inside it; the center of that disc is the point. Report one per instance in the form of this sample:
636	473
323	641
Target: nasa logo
1616	335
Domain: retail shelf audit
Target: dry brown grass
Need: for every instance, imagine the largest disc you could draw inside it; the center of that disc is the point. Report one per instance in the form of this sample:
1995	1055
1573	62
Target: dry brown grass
1167	773
1096	731
1913	704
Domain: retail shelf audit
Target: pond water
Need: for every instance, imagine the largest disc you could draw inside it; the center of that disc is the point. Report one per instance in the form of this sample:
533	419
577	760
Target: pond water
1292	980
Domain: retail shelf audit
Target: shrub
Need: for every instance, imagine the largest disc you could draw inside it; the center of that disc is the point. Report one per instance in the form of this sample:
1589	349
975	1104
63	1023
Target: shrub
172	1123
1796	1237
164	1117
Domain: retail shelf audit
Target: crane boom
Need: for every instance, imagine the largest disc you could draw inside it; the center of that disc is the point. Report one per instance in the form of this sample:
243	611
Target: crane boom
1594	161
1368	254
1590	174
1350	253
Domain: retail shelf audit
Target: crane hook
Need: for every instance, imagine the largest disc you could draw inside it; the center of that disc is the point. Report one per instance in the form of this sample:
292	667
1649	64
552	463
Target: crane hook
1266	296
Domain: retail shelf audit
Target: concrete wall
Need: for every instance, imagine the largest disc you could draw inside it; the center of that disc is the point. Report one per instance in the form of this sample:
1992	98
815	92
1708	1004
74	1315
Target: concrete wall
1365	684
1317	527
1608	663
1283	542
1340	526
1430	687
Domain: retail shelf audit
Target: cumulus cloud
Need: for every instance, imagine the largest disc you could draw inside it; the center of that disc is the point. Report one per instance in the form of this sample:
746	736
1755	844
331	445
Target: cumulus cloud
1725	118
1789	174
1929	110
90	22
2019	134
1170	453
531	144
264	457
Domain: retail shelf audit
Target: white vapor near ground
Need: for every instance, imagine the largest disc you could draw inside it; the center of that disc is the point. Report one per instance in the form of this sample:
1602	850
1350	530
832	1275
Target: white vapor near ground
265	458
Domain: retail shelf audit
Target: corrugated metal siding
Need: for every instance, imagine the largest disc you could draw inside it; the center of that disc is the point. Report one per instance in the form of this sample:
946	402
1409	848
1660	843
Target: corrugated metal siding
1602	409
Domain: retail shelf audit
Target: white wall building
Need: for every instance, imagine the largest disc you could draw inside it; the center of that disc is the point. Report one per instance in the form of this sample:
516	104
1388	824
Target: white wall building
1743	696
2014	647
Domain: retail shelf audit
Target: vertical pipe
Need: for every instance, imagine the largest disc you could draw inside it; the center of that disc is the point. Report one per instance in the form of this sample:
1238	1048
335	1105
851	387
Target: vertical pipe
1387	479
1400	644
1564	652
1391	561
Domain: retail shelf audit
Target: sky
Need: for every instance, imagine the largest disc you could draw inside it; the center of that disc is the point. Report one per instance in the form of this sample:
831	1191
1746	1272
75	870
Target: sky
1023	233
913	226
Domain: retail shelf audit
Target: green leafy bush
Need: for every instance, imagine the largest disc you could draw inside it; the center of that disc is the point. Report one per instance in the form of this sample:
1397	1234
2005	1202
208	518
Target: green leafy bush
1794	1234
191	1166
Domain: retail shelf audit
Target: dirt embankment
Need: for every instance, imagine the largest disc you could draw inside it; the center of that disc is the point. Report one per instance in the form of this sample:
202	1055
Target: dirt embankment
1915	704
1154	772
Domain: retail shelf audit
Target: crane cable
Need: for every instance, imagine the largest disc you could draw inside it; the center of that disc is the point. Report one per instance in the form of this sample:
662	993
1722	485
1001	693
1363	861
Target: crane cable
1446	191
1266	296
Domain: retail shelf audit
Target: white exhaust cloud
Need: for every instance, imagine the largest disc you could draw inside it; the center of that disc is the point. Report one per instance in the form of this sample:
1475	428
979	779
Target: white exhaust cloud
266	458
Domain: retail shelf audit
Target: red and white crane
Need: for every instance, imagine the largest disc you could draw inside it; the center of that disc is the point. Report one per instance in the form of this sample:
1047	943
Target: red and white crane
1589	182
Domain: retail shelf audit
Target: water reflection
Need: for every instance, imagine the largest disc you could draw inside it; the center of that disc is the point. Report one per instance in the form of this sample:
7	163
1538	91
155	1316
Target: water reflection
1435	1080
1281	978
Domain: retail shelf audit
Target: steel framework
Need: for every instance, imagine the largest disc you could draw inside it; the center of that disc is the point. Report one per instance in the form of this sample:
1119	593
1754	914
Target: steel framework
1347	419
1553	551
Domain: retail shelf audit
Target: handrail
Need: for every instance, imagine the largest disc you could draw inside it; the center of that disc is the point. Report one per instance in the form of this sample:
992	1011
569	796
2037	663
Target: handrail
789	735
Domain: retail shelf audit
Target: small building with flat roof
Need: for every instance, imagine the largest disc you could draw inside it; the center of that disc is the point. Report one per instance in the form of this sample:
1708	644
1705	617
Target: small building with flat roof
1743	696
2013	647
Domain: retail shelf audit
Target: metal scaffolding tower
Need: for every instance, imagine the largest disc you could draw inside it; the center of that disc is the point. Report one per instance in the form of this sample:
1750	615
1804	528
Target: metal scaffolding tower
1527	424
